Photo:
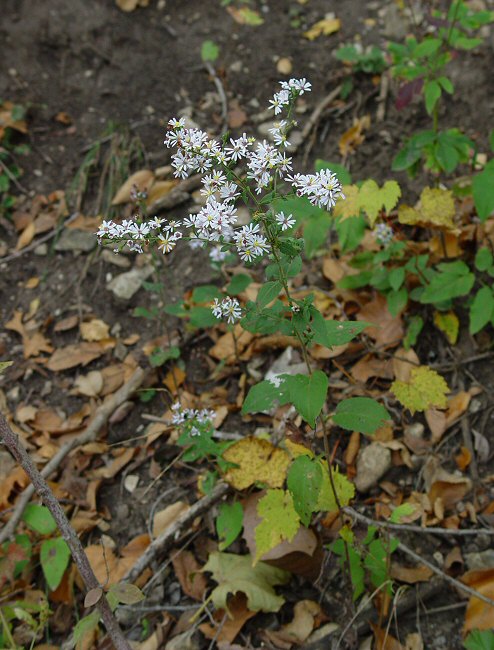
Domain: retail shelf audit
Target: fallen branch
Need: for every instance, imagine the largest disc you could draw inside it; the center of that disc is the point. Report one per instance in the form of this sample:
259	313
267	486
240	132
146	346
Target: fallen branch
100	418
12	442
169	536
316	113
410	528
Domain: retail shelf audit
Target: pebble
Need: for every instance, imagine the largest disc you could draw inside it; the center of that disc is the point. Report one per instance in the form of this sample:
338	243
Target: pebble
372	463
126	285
482	560
41	250
114	258
76	240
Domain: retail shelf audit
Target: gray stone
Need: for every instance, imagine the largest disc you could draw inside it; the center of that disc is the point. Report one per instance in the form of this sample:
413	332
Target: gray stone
372	463
76	240
116	259
126	285
482	560
41	250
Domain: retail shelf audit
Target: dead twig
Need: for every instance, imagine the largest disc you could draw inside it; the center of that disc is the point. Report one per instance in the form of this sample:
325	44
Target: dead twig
100	418
410	528
162	543
316	113
383	95
12	442
221	92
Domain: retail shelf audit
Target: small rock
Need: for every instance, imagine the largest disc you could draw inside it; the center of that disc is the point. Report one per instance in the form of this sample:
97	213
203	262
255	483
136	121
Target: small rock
395	23
482	560
125	285
76	240
372	463
284	65
41	250
115	259
236	66
14	394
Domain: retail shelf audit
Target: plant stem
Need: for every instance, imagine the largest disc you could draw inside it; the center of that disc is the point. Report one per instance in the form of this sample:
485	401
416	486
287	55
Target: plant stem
12	442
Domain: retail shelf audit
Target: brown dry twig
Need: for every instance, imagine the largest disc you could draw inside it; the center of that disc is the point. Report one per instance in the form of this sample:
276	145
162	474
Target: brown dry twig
164	541
12	442
100	418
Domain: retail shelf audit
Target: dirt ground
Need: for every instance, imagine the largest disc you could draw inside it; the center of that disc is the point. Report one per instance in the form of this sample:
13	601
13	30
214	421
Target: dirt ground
101	67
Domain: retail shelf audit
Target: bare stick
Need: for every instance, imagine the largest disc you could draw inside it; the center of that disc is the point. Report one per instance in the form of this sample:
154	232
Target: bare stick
100	418
164	541
383	95
12	442
448	532
221	92
316	114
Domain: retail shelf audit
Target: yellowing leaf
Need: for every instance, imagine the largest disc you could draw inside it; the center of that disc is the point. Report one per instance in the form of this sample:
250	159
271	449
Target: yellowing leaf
323	28
245	16
349	206
424	389
280	521
297	449
448	323
235	573
436	209
372	198
131	5
258	461
345	490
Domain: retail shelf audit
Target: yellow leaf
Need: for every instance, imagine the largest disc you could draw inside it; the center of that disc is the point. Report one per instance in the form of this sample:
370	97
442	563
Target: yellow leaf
408	216
297	449
280	521
258	462
349	206
425	388
448	323
372	198
323	27
436	209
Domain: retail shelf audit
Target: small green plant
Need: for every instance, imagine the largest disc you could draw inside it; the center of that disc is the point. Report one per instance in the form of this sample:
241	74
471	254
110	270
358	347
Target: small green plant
12	121
422	65
358	61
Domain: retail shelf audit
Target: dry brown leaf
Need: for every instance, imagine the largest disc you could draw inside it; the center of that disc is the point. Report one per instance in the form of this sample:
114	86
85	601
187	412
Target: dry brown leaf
353	448
299	629
404	361
89	385
143	179
463	459
237	117
26	236
174	378
110	569
8	122
76	355
354	136
16	479
410	575
66	324
414	641
388	331
33	341
284	65
384	640
479	615
94	330
32	283
124	457
224	348
166	517
188	571
370	366
158	190
131	5
239	615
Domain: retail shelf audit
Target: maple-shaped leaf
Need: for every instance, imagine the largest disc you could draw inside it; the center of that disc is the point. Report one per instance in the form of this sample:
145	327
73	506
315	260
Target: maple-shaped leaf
258	461
345	490
349	206
436	208
373	198
236	573
280	521
424	389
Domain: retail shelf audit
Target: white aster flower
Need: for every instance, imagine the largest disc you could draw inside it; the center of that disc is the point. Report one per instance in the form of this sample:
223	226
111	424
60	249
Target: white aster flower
284	221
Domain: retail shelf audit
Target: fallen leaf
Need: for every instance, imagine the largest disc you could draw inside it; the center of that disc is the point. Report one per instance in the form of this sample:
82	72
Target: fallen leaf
354	136
142	179
384	640
349	206
325	27
449	324
479	615
237	117
188	572
158	190
424	389
124	457
166	517
403	363
258	461
94	330
89	385
410	575
239	614
26	236
131	5
388	330
300	627
370	366
463	459
245	16
76	355
436	208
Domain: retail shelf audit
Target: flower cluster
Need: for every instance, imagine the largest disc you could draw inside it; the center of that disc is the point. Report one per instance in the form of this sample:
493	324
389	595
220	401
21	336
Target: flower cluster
228	308
322	188
383	233
289	89
135	234
195	419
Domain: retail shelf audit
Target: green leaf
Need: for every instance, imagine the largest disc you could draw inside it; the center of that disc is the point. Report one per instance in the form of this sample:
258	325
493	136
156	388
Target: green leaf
268	292
315	233
397	301
54	557
205	294
481	309
350	232
39	518
483	259
427	47
396	277
229	523
279	521
238	283
480	640
361	414
304	481
334	332
415	326
209	51
377	561
453	280
235	573
265	395
432	92
126	593
85	626
446	85
483	195
400	512
4	365
340	170
372	199
308	393
159	356
202	317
